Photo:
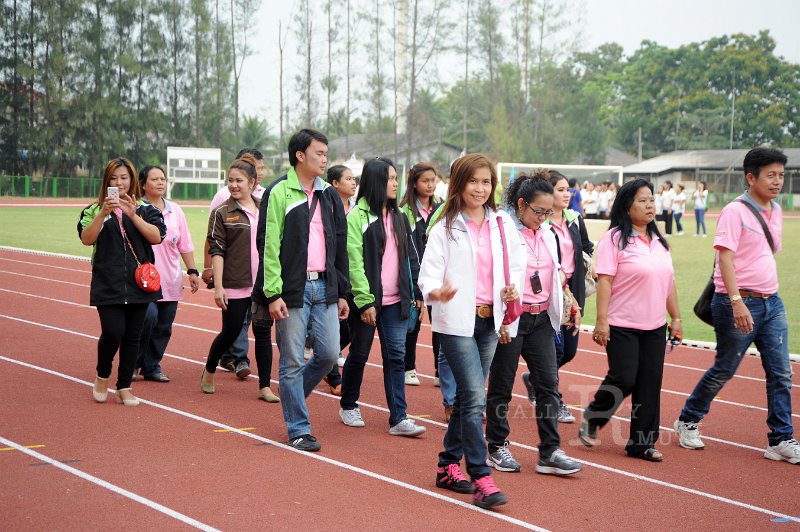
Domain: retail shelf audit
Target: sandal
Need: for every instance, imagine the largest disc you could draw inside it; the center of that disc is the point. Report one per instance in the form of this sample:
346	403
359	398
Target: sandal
651	455
156	377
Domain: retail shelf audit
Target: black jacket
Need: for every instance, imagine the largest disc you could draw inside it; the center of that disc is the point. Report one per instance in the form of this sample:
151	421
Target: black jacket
113	265
580	243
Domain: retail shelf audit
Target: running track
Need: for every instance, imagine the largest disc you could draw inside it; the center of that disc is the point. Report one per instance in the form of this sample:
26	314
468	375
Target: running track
184	459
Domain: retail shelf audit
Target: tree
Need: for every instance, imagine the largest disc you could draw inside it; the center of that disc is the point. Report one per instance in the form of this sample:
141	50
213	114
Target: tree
255	134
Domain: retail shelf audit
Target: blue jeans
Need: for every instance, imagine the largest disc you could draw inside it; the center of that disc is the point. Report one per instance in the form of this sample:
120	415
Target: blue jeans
771	336
700	220
392	332
298	379
678	224
470	358
156	332
447	383
238	351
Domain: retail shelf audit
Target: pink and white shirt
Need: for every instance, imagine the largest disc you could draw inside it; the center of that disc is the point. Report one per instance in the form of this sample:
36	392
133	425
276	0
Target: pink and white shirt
753	262
224	193
168	252
567	247
539	260
483	261
643	278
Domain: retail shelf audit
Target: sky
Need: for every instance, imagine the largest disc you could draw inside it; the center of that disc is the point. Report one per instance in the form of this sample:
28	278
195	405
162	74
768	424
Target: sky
627	22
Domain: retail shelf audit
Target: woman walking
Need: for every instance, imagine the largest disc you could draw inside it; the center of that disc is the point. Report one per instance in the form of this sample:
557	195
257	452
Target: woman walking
383	275
123	229
530	198
177	245
465	284
700	197
635	287
232	229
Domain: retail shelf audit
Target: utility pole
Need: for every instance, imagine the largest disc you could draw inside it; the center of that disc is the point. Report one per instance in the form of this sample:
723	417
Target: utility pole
733	104
640	143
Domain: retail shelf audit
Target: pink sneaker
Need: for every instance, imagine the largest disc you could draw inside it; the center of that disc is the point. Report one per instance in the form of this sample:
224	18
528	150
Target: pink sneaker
487	495
450	477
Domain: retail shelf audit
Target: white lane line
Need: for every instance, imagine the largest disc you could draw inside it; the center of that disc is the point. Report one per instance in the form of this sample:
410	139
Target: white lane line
437	423
321	458
111	487
39	264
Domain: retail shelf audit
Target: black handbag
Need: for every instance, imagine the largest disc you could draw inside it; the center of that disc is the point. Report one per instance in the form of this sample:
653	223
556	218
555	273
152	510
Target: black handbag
702	308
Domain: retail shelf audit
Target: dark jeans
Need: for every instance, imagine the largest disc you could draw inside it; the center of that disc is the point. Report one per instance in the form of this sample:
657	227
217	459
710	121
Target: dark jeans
232	320
469	358
156	332
535	342
392	334
678	224
635	367
667	221
771	336
700	220
411	347
121	326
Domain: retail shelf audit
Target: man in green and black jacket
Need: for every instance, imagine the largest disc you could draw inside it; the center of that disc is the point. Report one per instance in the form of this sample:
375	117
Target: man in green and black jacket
305	276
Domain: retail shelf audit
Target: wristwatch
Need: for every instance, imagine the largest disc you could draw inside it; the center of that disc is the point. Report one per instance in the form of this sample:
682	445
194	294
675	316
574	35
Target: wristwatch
736	297
191	271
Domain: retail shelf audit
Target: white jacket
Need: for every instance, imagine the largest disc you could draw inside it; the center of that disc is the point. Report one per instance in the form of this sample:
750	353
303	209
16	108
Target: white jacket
556	307
454	259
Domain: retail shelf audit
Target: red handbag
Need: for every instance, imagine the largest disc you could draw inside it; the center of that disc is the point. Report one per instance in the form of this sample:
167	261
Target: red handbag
146	274
513	308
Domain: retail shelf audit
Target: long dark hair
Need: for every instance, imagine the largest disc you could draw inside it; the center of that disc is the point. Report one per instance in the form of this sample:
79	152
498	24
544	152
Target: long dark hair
374	180
619	213
528	187
410	196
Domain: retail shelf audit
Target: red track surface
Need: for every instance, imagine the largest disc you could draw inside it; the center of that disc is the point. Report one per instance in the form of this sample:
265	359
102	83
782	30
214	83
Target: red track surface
170	450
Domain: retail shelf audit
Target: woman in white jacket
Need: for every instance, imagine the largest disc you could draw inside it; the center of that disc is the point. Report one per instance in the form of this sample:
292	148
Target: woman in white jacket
462	278
530	198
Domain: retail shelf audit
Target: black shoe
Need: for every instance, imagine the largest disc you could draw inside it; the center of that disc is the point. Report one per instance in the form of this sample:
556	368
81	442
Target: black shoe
242	370
229	365
305	442
526	380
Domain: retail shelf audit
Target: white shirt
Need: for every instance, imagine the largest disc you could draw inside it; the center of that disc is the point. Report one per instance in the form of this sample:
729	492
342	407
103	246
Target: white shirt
700	197
441	190
604	200
667	199
590	202
679	205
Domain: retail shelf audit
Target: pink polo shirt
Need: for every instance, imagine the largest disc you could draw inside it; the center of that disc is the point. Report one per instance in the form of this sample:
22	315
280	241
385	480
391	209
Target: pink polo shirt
567	249
481	238
246	292
753	262
317	253
224	193
643	277
539	260
168	252
390	266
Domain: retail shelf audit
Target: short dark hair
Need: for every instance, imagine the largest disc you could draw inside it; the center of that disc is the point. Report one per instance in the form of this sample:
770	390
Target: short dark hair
252	151
146	170
335	172
572	182
301	140
758	158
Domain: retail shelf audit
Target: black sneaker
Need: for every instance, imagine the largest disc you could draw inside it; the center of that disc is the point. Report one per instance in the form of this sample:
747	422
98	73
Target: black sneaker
305	442
450	477
229	365
242	370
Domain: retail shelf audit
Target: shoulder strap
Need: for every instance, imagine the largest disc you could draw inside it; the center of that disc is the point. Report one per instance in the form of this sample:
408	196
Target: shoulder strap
506	272
314	201
760	219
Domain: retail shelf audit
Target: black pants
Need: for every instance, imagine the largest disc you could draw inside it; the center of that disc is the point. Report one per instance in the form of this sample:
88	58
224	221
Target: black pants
635	367
121	326
411	347
334	377
232	321
535	341
667	222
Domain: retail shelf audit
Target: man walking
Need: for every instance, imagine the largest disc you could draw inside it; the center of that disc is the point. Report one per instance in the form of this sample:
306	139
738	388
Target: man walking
746	307
306	275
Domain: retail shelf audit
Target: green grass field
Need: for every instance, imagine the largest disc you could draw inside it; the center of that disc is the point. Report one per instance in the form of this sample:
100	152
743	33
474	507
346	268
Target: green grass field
54	229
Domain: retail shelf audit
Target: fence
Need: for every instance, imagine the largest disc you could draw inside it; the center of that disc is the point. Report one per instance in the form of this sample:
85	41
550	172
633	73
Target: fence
86	187
725	186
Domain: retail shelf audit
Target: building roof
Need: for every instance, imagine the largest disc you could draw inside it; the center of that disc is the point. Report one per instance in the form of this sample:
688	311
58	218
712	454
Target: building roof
701	160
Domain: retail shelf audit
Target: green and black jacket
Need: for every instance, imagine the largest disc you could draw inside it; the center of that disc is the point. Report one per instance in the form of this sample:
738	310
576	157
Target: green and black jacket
419	227
283	237
113	265
365	243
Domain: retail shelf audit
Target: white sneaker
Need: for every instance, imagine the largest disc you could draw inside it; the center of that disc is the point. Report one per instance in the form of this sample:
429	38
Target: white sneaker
308	353
436	382
695	235
351	418
340	360
705	236
788	450
680	233
411	378
689	435
407	427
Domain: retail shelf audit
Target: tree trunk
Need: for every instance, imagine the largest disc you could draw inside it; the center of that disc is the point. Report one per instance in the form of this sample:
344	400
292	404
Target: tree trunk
466	82
347	105
412	84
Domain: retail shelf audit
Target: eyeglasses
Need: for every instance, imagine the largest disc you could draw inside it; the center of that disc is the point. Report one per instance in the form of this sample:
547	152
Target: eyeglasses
539	212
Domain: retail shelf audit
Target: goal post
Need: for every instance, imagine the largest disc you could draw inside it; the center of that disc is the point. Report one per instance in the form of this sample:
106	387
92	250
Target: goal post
593	173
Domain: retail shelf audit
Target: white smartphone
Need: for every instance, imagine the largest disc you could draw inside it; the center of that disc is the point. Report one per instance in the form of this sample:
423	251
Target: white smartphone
113	193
